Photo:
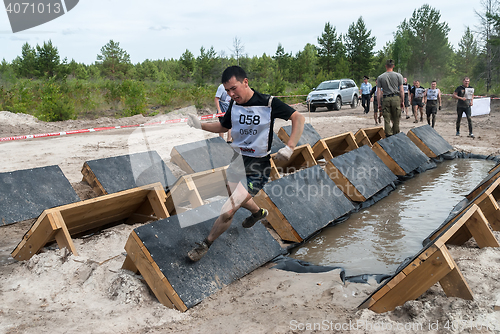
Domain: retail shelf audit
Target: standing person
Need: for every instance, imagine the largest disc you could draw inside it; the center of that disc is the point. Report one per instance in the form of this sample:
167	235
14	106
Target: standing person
465	96
432	100
222	100
376	113
251	115
390	86
406	89
417	101
365	89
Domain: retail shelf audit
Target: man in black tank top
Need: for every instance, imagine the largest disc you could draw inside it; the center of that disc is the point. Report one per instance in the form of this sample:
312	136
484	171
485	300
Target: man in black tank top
251	117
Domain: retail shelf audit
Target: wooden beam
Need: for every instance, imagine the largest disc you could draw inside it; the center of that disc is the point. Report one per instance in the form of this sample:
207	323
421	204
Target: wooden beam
420	144
62	236
138	254
388	160
343	183
177	159
91	179
479	228
279	223
407	287
491	210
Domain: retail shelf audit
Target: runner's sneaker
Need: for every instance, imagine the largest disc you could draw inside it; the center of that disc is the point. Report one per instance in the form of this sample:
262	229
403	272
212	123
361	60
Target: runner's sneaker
471	136
254	217
458	133
199	251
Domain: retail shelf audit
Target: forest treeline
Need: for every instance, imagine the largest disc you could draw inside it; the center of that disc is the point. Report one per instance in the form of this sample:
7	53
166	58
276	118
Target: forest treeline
41	83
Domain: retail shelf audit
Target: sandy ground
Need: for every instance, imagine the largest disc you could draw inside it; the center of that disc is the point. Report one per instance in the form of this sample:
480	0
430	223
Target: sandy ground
56	292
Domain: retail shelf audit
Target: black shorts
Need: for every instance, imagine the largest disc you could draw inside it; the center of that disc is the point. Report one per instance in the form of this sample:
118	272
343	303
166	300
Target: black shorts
253	173
407	101
417	102
431	107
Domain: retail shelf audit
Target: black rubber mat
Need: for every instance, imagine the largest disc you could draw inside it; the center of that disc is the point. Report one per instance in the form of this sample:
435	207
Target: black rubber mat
130	171
432	139
403	151
234	254
364	169
308	199
25	194
206	154
309	135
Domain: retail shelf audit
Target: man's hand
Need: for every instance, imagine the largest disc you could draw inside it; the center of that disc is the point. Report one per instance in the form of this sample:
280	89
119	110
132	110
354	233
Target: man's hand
193	121
284	154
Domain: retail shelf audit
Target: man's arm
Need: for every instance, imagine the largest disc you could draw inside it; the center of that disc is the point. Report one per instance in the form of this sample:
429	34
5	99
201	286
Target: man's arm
439	97
425	96
297	127
217	104
214	127
379	97
402	95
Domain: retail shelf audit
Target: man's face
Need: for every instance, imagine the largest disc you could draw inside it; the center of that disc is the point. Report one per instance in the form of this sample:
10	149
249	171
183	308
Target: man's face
433	85
466	82
405	80
365	80
417	84
237	90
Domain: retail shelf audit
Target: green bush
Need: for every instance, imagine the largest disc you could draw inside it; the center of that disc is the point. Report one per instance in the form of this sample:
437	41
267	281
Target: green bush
54	106
133	97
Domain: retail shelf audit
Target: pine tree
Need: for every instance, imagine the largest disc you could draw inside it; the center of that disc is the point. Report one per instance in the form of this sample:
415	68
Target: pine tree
359	48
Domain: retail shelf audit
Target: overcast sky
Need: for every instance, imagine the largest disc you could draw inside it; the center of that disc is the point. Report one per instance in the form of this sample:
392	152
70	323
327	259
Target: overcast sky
154	29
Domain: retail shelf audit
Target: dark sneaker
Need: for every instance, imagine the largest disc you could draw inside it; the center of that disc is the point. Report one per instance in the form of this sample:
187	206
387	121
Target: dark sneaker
471	136
407	117
253	218
199	251
458	133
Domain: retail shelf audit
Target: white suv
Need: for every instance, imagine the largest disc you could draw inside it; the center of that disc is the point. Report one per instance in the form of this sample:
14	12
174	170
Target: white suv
333	94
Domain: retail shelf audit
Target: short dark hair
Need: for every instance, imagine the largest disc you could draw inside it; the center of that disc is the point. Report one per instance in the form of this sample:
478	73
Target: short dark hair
233	71
389	63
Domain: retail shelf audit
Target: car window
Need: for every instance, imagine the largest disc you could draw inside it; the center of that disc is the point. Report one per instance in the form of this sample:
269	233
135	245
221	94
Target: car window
328	85
351	84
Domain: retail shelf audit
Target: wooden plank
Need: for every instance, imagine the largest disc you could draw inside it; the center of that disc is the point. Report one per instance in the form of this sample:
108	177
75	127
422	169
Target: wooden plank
455	285
128	264
274	175
138	254
491	211
194	196
431	271
30	245
318	149
478	227
361	138
420	144
338	145
343	183
91	179
62	222
279	223
62	236
302	157
388	161
375	134
177	159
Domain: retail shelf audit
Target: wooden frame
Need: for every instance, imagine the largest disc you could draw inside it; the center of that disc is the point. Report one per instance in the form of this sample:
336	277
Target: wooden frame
302	157
91	179
421	145
487	204
139	260
434	265
192	189
431	266
277	220
369	136
331	147
388	160
136	205
343	183
493	175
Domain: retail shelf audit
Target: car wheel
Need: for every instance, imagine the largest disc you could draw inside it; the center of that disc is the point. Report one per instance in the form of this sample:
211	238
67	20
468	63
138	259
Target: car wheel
311	108
338	103
355	102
